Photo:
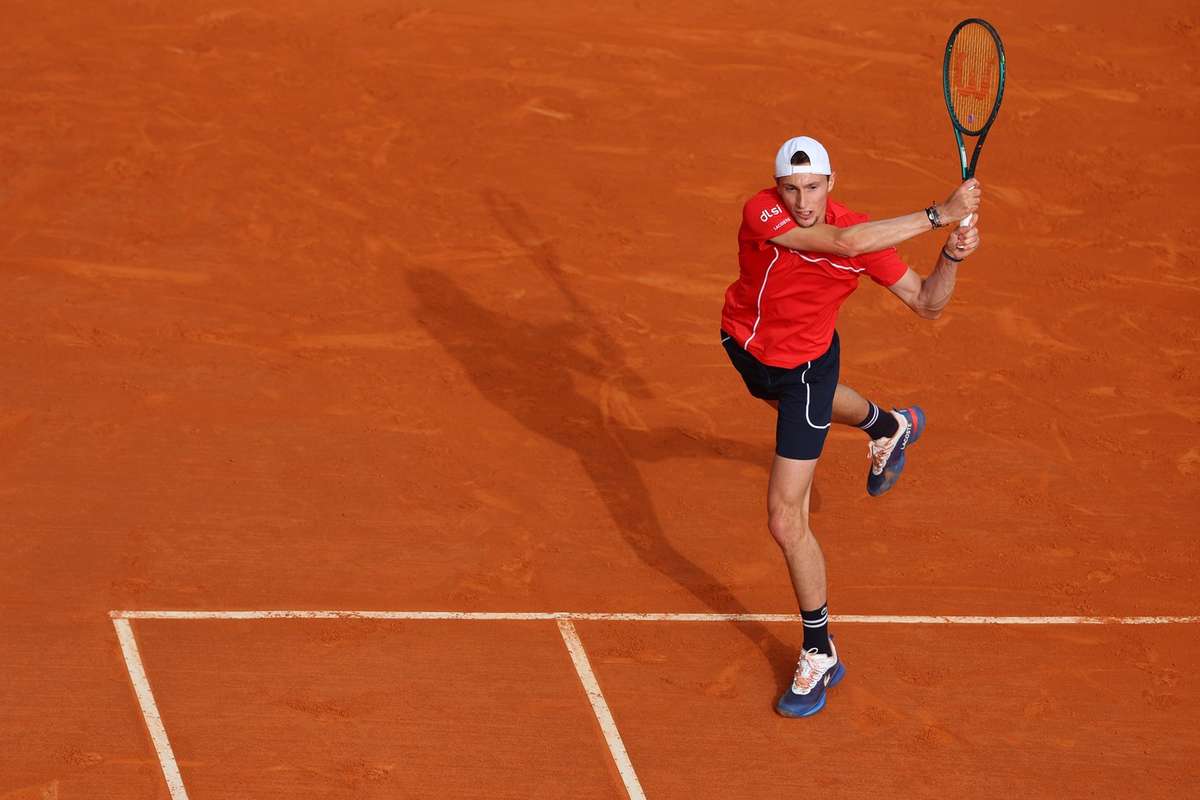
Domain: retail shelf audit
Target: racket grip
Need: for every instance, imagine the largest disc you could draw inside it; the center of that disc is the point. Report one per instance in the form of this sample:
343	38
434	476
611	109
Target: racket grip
966	221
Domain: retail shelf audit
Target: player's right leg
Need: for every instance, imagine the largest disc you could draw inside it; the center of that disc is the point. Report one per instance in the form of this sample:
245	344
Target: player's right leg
805	413
818	667
787	519
890	434
803	398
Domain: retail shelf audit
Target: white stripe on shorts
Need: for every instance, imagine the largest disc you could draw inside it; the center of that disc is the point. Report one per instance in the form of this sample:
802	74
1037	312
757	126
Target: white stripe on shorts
808	399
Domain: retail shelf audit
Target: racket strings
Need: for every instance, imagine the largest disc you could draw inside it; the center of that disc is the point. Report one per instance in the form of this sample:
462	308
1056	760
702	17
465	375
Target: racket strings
974	77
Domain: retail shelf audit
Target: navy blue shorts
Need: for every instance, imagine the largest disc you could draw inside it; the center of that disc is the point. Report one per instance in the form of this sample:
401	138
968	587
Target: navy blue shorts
805	395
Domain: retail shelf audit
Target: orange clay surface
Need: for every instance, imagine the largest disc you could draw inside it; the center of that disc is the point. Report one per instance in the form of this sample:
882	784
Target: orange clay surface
381	305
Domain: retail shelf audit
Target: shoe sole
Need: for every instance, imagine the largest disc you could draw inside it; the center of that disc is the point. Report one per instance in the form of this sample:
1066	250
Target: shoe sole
838	673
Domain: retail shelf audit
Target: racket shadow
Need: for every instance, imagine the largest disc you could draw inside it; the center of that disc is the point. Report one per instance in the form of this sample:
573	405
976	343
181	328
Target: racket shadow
531	371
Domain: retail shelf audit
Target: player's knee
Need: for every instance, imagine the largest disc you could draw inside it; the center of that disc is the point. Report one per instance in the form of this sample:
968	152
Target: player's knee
788	524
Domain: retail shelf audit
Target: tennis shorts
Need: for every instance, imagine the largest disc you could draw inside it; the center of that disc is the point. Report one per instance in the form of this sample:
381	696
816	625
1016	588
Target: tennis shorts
804	393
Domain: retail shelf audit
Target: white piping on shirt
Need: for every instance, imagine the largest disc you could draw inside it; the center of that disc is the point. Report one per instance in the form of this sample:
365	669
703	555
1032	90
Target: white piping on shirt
831	263
761	289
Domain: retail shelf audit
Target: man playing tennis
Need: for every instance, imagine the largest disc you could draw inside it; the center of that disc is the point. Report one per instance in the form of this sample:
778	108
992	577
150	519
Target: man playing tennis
800	255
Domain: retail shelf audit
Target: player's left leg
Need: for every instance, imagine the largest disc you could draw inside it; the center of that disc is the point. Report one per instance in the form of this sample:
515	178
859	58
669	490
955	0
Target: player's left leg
890	434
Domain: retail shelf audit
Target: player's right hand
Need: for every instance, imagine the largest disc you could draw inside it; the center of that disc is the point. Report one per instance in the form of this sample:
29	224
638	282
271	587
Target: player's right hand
962	242
962	201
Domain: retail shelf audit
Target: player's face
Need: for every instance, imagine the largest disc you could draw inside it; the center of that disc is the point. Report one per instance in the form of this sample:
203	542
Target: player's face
804	195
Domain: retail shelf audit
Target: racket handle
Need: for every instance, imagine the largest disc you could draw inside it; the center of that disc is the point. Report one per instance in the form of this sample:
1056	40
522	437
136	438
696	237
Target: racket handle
966	221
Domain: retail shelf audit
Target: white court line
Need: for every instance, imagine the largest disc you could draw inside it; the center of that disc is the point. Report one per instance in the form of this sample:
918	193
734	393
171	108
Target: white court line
609	726
154	723
520	616
158	733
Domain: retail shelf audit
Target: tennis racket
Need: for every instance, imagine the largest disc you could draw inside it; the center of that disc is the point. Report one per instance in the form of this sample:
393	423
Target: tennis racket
973	82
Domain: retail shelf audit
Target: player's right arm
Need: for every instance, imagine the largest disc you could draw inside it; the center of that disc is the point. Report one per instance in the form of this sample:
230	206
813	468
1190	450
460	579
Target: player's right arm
868	237
928	296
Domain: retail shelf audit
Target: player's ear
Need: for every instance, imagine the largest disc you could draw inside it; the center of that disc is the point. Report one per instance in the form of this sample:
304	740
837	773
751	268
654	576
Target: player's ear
831	176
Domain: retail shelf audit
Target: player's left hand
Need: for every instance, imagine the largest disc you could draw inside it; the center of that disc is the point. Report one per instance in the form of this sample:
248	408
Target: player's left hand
962	242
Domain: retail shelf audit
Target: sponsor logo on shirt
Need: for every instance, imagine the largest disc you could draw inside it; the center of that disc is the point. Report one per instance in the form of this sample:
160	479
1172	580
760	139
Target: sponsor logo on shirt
779	224
774	211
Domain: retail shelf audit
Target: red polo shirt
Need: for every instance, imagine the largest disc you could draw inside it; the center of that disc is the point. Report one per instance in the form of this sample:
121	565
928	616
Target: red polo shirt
783	307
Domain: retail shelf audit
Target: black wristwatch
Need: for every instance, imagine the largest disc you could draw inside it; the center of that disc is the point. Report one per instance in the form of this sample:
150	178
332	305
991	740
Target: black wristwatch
935	219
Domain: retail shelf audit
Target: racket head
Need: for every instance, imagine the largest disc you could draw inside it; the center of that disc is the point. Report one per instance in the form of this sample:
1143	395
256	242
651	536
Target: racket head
973	76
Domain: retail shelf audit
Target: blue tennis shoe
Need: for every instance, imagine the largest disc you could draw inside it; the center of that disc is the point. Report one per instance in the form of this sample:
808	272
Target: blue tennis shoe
887	455
814	674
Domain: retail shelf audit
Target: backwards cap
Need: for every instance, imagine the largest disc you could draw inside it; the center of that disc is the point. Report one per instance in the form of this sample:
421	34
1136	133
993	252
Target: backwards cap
818	159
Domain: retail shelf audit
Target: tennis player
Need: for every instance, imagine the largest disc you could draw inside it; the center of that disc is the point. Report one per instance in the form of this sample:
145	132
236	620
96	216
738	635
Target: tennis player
801	255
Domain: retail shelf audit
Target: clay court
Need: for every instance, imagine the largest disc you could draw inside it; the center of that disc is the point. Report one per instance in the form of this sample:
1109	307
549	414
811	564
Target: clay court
402	319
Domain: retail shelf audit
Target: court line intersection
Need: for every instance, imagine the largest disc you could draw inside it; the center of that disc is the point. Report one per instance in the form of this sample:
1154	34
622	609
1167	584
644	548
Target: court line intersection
122	622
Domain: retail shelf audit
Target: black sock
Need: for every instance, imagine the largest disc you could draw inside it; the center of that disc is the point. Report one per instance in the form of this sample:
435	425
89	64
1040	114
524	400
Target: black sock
816	630
879	423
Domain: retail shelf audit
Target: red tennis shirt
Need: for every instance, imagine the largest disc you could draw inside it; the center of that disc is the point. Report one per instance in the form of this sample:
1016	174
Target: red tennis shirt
783	307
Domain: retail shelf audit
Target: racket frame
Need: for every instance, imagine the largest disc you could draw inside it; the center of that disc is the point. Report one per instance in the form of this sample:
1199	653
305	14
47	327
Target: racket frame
968	170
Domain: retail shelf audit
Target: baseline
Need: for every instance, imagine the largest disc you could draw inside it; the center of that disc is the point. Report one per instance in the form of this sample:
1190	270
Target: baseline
519	616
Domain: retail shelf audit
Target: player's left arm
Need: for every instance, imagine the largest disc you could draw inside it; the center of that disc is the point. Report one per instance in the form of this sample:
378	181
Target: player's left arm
928	296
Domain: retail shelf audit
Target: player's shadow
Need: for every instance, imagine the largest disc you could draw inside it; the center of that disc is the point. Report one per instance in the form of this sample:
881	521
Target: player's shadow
534	371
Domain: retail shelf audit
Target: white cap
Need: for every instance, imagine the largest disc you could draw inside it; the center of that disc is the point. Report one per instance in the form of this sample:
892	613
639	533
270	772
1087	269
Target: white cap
818	159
